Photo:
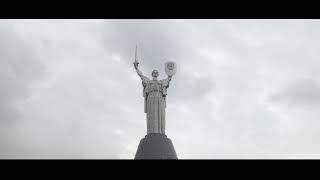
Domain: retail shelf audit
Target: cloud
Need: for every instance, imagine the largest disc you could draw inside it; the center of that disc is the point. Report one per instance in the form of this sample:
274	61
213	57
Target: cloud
304	92
19	68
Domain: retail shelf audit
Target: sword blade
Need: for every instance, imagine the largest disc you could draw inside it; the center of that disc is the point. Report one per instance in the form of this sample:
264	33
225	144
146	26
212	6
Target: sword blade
135	60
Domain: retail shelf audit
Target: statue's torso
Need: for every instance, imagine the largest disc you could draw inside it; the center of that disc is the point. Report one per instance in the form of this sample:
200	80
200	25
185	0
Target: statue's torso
155	88
154	85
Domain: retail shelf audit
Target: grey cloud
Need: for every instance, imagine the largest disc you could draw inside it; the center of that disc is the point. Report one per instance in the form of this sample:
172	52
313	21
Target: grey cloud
157	40
19	67
186	87
301	93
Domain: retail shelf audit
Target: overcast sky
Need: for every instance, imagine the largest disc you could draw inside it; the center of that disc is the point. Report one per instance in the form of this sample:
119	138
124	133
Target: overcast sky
243	88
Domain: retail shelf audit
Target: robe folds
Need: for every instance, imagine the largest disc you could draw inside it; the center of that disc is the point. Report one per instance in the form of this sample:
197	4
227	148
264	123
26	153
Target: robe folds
154	92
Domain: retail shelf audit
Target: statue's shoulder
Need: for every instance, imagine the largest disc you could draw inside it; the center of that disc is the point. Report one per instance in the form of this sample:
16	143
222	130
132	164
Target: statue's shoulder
145	79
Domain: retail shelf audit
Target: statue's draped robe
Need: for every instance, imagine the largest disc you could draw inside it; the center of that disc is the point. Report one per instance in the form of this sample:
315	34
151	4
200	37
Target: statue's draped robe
154	93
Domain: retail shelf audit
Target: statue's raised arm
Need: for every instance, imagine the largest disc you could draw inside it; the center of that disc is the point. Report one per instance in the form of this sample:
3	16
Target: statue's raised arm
165	82
136	63
143	77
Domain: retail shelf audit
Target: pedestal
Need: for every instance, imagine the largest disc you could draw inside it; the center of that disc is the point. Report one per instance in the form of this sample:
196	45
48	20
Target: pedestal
156	146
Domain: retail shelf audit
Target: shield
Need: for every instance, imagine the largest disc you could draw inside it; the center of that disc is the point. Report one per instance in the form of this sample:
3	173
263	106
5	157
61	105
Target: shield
170	68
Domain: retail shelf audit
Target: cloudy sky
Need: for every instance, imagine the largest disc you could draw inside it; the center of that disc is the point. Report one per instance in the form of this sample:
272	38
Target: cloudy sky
243	89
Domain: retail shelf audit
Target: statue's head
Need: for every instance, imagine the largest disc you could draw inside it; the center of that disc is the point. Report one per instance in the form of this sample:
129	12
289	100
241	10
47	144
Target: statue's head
155	73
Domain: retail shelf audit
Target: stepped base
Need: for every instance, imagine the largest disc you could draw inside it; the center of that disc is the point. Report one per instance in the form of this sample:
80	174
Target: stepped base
155	146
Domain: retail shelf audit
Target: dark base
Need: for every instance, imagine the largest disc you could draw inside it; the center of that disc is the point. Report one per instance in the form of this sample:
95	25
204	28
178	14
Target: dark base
155	146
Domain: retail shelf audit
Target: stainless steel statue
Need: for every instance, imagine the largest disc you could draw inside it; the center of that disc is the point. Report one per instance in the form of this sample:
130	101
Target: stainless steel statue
154	93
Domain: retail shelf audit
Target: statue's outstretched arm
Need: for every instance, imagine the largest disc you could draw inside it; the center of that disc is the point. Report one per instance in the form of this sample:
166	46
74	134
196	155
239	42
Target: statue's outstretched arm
166	81
143	77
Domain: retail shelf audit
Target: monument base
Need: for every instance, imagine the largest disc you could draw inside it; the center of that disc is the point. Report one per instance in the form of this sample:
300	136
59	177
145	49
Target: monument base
155	146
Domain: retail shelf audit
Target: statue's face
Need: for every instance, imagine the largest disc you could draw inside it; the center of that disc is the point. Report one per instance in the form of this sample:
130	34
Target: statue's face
155	73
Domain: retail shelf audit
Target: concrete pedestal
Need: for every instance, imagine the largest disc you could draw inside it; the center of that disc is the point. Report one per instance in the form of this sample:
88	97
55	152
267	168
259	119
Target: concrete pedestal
155	146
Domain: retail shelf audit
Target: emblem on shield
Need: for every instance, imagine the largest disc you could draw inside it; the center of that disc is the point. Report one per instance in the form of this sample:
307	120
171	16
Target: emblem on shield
170	68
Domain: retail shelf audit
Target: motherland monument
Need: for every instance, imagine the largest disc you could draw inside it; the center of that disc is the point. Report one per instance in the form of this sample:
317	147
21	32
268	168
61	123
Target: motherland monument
155	145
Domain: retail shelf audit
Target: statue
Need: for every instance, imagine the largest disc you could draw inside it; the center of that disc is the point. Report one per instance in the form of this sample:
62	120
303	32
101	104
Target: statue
154	93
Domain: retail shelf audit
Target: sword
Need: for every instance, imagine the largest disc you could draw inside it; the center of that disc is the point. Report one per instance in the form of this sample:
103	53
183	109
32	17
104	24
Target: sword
136	54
